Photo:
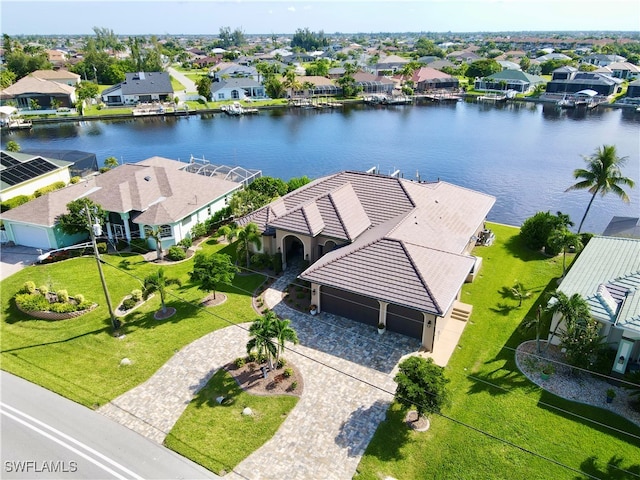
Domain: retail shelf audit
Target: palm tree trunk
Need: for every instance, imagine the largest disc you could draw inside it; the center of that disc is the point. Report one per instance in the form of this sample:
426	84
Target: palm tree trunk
587	211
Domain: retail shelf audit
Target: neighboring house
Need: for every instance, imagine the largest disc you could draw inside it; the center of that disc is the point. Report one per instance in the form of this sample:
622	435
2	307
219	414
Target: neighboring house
59	76
551	56
233	70
633	89
440	64
626	227
321	86
46	93
508	65
426	79
205	62
463	56
601	60
604	85
389	64
140	87
517	80
56	56
237	89
23	174
563	73
370	83
380	248
624	70
607	275
156	193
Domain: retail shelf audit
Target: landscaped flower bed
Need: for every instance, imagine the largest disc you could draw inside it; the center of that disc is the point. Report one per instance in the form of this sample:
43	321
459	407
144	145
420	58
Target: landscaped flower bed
41	303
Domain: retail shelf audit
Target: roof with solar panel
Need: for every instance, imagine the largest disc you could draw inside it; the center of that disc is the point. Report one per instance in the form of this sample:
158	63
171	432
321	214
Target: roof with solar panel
17	168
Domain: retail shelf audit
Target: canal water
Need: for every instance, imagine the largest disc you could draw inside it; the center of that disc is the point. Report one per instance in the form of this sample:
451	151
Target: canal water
522	153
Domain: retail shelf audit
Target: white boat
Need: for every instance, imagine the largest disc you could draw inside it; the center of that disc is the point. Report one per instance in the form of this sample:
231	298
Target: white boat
236	109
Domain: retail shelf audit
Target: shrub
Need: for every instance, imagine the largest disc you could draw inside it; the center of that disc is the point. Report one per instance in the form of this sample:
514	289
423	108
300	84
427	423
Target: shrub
176	253
122	245
15	202
281	363
74	180
186	242
102	247
240	361
63	296
128	303
29	287
49	188
79	298
84	305
293	386
43	289
288	372
199	230
32	302
136	294
253	356
62	307
277	262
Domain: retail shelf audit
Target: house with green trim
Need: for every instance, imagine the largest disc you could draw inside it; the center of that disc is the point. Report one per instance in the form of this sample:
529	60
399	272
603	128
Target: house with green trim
607	275
516	80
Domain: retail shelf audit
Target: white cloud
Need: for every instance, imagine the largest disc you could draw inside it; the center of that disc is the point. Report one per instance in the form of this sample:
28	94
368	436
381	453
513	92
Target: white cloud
292	9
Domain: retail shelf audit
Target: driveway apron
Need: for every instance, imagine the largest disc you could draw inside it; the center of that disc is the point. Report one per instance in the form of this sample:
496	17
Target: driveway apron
348	383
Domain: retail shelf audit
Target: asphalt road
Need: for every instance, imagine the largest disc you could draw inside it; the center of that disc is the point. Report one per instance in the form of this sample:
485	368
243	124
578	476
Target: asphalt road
47	436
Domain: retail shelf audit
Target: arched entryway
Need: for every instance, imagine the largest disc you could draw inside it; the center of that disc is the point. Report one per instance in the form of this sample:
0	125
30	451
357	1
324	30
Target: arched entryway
293	251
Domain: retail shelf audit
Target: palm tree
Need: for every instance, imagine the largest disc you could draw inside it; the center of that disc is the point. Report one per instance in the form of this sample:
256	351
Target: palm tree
247	236
602	175
283	333
262	333
571	308
291	82
520	292
159	282
565	239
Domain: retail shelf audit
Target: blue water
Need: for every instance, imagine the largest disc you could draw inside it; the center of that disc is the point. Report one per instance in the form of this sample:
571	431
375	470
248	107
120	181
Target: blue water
521	153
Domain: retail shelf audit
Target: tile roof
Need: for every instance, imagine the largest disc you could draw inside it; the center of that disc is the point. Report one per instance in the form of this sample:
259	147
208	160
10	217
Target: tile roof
55	75
608	270
156	187
141	83
406	241
30	84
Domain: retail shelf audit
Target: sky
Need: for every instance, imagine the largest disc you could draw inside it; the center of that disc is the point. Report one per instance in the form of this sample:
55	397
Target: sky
127	17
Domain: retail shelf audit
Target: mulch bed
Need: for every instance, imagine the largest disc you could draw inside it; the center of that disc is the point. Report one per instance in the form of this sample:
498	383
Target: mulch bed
250	378
419	424
210	301
160	315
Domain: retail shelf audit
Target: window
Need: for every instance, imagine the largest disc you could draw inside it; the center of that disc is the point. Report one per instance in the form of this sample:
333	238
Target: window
165	231
220	96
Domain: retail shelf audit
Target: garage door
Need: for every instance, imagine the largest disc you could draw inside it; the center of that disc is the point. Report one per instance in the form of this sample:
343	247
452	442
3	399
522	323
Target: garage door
30	236
349	305
404	320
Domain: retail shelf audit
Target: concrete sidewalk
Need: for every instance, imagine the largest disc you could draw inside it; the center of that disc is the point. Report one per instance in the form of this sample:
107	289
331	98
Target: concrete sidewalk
14	258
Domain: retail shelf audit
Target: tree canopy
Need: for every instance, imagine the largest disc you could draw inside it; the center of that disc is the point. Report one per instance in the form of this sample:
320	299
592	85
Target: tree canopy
483	68
421	384
308	40
211	270
75	220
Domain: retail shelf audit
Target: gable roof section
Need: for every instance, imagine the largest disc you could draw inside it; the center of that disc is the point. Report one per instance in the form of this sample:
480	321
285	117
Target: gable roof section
608	270
141	83
30	84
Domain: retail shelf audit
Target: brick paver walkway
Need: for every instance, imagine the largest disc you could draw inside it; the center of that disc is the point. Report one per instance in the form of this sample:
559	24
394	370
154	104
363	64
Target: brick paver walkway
326	433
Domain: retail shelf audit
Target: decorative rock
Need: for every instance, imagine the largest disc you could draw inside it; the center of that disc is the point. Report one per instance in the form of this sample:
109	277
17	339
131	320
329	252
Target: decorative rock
125	361
247	411
220	400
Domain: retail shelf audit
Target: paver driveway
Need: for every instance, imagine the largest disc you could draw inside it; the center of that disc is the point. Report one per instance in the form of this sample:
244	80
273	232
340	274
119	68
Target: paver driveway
327	432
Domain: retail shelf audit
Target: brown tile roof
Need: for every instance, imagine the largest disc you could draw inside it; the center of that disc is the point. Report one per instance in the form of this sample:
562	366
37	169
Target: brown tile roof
157	187
408	241
55	75
31	84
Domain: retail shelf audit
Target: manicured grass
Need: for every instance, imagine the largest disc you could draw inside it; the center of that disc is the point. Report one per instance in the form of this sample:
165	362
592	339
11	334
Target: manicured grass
79	358
218	436
512	408
175	84
93	110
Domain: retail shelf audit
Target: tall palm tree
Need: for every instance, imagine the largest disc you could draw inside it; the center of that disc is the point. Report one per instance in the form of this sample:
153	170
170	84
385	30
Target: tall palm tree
159	282
291	82
247	236
602	175
572	308
283	333
262	334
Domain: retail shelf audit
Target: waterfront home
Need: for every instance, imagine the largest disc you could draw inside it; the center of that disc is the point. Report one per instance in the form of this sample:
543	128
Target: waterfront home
60	76
624	70
607	275
224	71
380	249
23	174
237	89
426	79
370	83
604	85
602	60
517	80
633	90
155	194
31	91
140	87
389	65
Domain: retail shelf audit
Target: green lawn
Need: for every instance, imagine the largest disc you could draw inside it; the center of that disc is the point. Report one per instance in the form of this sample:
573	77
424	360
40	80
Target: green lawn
78	358
219	436
512	408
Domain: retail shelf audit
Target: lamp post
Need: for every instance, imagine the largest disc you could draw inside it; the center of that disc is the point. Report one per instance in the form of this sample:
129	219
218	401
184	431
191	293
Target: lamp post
96	229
